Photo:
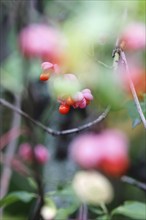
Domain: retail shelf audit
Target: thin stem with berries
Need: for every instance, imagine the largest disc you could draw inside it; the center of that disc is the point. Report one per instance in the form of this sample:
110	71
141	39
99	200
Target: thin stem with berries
50	131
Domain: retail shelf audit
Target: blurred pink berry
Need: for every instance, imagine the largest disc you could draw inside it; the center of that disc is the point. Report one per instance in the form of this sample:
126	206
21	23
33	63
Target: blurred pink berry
82	103
78	97
48	70
107	151
87	94
134	36
40	40
46	66
25	152
82	98
114	142
41	154
85	150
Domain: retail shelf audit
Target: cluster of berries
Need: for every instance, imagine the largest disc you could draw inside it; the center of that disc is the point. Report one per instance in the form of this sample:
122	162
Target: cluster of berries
79	99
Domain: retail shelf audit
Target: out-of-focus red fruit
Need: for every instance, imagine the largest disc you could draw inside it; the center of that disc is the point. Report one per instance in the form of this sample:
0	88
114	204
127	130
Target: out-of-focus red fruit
44	76
41	154
64	109
114	160
85	151
107	151
40	40
134	36
25	152
115	166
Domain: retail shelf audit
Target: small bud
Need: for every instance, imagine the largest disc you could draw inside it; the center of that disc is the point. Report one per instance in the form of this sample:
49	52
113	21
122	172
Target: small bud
41	154
25	152
48	213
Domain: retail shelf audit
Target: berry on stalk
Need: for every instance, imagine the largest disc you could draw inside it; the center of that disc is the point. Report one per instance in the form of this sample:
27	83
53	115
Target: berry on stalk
64	109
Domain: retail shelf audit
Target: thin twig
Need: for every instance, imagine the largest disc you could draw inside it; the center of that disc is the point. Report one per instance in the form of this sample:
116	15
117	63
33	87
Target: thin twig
51	131
10	136
137	103
131	181
7	172
104	64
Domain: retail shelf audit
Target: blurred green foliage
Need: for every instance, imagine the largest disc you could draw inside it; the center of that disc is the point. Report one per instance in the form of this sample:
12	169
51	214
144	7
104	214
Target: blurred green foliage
91	28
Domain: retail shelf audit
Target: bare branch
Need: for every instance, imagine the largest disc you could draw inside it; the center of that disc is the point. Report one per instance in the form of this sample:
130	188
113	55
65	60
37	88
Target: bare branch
119	55
131	181
138	106
7	172
51	131
10	136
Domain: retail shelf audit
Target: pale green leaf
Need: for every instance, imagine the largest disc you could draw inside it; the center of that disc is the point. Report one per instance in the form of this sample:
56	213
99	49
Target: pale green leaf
132	209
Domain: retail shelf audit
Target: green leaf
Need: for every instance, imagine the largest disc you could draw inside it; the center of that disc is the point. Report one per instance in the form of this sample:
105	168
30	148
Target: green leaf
104	217
62	214
106	87
132	209
66	202
16	196
132	111
96	211
32	183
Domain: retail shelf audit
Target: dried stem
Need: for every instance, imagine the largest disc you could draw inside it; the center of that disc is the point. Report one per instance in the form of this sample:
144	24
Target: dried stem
10	151
51	131
83	212
131	181
137	103
9	136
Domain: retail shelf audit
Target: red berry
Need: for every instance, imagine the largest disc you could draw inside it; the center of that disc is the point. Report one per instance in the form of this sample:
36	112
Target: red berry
44	76
115	167
64	109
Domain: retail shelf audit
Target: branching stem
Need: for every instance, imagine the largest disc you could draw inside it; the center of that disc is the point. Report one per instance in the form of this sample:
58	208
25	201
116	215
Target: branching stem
49	130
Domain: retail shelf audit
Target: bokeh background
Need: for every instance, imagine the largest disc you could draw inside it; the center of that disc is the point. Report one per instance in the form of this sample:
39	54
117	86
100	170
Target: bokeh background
87	32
